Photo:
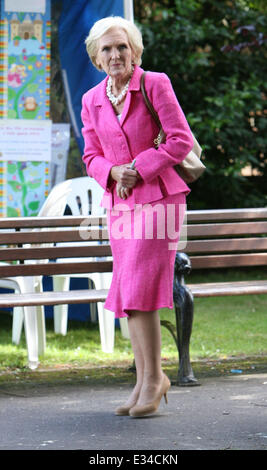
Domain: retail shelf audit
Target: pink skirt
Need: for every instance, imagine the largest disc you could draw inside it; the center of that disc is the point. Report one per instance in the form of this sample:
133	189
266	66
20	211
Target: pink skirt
143	243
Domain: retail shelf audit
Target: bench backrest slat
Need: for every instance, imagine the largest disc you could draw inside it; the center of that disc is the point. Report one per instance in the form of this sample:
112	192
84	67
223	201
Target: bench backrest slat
53	236
229	261
57	221
48	269
226	245
54	252
227	214
226	238
224	229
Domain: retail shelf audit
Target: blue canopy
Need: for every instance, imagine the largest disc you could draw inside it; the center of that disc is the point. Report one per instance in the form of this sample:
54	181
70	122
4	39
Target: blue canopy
78	73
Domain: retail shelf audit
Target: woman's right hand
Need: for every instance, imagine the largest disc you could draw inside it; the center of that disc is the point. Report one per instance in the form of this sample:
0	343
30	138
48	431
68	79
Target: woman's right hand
126	179
124	175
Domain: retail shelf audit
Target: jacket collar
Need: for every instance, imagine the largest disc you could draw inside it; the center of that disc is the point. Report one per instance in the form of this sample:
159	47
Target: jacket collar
136	79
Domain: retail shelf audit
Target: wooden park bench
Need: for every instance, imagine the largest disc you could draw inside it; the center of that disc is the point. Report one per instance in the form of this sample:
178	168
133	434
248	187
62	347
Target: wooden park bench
216	239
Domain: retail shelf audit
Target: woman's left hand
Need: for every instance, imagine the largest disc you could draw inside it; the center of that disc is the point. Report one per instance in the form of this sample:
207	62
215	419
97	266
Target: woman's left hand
122	192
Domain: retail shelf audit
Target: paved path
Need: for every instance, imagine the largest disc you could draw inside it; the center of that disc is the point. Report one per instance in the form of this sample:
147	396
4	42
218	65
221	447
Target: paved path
228	412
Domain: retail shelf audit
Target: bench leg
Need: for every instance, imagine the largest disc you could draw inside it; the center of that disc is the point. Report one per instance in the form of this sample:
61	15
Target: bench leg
184	308
93	306
184	311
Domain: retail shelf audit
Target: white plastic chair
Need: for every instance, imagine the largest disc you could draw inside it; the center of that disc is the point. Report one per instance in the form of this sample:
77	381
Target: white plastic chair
82	196
84	199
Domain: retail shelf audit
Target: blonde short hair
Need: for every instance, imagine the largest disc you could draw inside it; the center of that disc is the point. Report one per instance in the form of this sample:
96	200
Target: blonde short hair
102	26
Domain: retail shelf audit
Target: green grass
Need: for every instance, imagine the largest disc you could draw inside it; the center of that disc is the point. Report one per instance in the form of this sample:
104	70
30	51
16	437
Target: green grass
224	327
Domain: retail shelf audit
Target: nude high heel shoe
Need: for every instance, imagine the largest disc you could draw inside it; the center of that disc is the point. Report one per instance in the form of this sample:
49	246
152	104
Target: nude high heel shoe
138	411
123	410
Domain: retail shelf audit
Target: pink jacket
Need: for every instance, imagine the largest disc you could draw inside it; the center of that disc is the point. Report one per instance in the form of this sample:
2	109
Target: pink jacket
110	142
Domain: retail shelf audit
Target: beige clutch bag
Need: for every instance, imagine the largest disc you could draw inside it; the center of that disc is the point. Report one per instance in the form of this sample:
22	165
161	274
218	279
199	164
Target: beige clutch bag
191	168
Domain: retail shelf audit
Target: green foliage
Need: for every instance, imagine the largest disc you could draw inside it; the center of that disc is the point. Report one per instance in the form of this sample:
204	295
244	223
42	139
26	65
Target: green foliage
215	55
260	5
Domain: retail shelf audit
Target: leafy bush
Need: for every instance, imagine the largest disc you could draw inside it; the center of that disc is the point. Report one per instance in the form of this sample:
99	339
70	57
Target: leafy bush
215	55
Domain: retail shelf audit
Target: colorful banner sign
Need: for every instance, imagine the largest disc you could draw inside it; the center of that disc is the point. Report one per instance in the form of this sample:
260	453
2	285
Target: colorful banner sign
25	36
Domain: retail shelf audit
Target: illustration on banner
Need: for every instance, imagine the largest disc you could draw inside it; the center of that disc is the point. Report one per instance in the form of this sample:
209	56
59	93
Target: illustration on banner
27	57
25	41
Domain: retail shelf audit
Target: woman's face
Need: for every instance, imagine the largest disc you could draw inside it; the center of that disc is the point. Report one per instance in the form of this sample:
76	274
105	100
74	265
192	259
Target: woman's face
114	54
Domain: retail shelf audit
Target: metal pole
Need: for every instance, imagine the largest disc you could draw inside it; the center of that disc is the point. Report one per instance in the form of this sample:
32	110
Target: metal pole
128	10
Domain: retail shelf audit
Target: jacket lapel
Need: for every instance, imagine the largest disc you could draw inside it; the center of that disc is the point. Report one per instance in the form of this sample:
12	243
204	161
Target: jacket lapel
134	86
106	112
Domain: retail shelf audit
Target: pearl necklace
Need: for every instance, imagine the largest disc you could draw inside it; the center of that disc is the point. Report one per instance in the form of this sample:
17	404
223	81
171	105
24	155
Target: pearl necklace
116	99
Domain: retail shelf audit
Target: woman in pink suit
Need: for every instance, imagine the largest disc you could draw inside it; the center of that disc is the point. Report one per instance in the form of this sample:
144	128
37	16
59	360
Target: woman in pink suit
144	196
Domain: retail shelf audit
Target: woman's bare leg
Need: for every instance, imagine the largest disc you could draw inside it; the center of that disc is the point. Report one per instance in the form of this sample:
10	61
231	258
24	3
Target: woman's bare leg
144	328
139	362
